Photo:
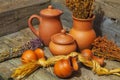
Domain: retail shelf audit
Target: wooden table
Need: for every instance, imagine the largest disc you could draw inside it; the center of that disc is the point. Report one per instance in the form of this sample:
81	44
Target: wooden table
24	35
47	73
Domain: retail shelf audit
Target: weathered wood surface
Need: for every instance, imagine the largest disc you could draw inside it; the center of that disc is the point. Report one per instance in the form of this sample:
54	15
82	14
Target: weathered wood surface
14	14
19	38
111	8
104	25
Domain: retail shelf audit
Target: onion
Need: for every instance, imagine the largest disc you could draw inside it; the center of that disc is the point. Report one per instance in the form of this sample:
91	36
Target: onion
87	53
65	67
99	60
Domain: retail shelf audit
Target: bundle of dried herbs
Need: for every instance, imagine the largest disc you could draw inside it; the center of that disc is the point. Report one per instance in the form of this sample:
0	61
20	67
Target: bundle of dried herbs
103	47
27	69
82	9
17	51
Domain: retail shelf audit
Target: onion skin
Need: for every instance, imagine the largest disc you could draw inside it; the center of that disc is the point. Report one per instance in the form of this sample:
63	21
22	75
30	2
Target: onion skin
87	53
28	56
39	52
63	68
99	60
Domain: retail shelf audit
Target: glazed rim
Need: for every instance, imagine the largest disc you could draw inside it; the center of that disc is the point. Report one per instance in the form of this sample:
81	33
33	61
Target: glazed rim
89	19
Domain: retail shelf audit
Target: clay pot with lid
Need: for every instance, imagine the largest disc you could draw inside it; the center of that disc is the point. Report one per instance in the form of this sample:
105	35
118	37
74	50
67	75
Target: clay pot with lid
50	23
62	44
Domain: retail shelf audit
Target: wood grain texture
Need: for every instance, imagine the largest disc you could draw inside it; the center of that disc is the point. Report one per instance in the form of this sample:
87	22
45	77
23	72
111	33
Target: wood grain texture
14	14
6	67
109	28
47	73
111	8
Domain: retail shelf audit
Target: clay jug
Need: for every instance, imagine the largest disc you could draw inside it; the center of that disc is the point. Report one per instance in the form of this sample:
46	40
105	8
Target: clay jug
49	24
83	32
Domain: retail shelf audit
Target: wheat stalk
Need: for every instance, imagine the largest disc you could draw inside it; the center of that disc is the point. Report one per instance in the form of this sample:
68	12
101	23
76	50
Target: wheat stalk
29	68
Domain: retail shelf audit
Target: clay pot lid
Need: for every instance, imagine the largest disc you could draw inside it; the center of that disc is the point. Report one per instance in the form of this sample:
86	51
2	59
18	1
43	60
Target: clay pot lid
50	11
62	38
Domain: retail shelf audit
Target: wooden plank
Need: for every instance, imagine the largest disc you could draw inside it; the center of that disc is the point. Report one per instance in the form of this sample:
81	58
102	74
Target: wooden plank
47	73
15	18
14	41
7	67
111	8
7	5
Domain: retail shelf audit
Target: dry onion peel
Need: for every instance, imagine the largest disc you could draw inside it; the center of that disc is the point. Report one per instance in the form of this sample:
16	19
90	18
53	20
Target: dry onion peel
28	68
96	68
25	70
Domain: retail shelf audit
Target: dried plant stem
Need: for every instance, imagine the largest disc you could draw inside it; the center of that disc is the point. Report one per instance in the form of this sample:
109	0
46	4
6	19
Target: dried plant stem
97	68
103	47
17	51
27	69
82	9
52	60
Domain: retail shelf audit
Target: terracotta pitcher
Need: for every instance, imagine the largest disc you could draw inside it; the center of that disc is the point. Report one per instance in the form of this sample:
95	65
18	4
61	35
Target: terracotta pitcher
49	24
83	32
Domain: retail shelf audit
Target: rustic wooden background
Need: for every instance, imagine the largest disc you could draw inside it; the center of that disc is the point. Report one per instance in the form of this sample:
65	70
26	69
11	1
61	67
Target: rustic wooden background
111	8
15	13
13	25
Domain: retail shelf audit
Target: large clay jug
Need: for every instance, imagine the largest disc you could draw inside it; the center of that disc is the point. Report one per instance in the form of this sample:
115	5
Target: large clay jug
49	24
83	32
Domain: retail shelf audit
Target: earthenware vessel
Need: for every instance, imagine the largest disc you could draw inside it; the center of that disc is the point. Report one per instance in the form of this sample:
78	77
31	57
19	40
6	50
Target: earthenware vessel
49	23
62	44
83	32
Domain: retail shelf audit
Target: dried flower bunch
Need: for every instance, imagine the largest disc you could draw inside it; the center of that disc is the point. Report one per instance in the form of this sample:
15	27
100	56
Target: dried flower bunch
106	48
82	9
17	51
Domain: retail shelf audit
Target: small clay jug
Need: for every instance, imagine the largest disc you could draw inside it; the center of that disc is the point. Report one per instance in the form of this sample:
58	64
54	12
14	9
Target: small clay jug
49	24
83	32
62	44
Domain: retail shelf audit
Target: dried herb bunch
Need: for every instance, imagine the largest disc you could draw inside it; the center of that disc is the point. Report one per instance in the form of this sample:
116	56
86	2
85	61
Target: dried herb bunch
25	70
103	47
17	51
82	9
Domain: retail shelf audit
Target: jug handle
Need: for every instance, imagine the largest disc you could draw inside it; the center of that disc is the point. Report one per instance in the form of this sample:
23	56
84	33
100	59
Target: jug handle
36	32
